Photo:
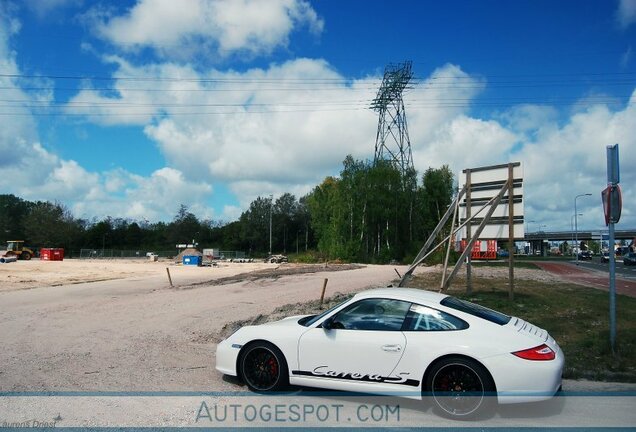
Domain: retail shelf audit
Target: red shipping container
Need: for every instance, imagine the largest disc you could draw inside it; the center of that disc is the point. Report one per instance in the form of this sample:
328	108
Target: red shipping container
52	254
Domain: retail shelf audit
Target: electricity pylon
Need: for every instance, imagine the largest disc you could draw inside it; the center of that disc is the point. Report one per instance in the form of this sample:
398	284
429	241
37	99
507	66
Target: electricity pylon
392	141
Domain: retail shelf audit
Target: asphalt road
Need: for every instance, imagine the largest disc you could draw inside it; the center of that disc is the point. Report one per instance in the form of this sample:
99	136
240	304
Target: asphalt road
627	272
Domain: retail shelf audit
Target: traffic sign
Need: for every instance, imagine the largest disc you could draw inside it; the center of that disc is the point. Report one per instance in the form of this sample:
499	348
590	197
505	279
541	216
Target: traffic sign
613	169
612	203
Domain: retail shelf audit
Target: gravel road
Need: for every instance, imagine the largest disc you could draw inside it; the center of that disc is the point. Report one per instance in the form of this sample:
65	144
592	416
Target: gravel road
139	334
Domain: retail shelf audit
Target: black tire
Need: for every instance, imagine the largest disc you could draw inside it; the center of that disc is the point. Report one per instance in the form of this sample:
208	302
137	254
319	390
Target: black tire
460	388
25	256
263	367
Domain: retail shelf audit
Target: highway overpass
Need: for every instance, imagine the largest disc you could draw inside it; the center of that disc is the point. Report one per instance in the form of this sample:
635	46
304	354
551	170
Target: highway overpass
581	235
539	240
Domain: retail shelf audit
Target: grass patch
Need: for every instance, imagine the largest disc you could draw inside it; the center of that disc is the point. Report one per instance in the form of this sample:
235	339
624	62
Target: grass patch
577	317
517	264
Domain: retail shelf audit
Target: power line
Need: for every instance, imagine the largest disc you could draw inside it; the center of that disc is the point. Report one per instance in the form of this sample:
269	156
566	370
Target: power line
305	79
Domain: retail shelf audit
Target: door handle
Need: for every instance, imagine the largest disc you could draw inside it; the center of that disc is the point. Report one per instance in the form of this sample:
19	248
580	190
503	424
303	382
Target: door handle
392	348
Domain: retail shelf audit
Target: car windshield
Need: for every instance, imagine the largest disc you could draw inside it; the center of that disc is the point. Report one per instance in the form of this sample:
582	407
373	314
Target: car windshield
310	320
476	310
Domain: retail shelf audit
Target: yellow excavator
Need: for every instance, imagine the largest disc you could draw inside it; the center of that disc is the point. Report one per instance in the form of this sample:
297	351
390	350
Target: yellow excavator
17	249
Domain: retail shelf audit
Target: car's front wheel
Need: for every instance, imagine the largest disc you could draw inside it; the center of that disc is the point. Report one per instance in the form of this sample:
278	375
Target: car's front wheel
263	367
460	388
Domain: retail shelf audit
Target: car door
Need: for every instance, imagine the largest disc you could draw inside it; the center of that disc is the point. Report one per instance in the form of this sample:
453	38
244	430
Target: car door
364	342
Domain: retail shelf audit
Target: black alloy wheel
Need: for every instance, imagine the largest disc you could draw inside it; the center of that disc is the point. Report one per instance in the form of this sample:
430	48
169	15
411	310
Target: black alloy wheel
461	388
263	367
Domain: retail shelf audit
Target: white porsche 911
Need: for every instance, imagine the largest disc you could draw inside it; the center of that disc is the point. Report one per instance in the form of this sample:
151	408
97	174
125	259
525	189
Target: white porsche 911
401	341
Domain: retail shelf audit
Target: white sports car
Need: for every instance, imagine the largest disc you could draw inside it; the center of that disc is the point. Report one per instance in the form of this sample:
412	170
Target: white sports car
398	340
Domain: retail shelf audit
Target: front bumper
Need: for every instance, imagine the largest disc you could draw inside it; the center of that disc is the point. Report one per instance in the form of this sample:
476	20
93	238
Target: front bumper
226	357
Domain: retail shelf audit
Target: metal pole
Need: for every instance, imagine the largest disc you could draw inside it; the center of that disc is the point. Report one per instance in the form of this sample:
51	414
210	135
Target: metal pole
271	203
572	229
576	225
612	287
511	235
576	232
469	276
613	178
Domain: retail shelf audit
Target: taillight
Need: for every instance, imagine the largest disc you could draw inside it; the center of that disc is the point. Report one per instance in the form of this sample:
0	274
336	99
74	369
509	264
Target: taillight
542	352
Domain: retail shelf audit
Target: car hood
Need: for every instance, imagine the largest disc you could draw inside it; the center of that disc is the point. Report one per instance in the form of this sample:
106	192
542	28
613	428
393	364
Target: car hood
285	322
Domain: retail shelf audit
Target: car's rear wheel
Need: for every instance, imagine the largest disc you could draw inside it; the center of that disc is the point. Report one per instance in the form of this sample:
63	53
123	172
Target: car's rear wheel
263	367
460	388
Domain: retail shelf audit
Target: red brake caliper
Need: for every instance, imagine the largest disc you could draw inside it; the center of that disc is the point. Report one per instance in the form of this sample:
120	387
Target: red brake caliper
273	365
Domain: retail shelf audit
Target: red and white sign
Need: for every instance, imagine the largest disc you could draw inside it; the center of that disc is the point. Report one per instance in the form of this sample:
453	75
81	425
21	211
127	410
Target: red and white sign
612	203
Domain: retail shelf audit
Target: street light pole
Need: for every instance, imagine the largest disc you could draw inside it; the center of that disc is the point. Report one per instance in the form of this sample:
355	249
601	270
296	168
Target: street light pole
576	224
528	232
271	203
572	229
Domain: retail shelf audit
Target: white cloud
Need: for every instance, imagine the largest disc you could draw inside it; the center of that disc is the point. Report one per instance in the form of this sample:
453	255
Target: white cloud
572	160
306	132
43	8
626	13
29	170
444	95
282	126
184	28
67	181
626	58
285	127
231	213
123	194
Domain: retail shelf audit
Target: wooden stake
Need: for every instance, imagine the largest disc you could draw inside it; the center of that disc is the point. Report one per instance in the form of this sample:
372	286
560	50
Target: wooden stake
169	278
322	295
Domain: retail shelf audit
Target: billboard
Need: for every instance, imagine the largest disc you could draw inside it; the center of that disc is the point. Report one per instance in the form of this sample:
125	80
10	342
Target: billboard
484	183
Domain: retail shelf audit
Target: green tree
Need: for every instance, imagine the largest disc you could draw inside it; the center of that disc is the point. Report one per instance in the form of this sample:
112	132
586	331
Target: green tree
434	197
325	207
283	220
13	212
255	225
184	228
50	225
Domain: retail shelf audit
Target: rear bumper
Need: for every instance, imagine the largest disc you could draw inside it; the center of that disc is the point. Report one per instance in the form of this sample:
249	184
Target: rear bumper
520	381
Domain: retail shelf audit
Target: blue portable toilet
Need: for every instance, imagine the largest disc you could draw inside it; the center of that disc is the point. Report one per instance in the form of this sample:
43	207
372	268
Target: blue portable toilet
194	260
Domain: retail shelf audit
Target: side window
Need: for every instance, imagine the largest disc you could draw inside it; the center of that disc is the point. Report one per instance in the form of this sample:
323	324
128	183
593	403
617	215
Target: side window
372	314
422	318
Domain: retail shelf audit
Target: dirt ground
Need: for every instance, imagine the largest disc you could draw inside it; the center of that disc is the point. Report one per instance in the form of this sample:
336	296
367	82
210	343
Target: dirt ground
119	325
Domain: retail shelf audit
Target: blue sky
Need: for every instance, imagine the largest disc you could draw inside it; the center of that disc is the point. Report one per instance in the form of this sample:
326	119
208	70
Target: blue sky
131	108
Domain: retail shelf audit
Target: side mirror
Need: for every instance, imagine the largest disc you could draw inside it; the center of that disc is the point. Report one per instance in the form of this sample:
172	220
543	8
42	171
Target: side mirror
328	323
331	324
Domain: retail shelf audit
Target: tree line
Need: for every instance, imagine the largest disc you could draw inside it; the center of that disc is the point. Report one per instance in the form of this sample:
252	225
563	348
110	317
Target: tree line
369	213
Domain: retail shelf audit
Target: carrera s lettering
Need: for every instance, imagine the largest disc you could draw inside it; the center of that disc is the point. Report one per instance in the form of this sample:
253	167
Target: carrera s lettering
324	371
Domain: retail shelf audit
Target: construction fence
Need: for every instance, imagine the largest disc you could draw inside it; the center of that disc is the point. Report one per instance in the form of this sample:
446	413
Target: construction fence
143	254
120	253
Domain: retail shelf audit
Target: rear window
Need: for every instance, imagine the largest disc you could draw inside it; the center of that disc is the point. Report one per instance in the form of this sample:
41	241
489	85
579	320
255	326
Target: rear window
476	310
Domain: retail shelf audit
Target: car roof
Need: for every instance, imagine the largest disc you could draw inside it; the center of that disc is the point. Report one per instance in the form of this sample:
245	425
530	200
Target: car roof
407	294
